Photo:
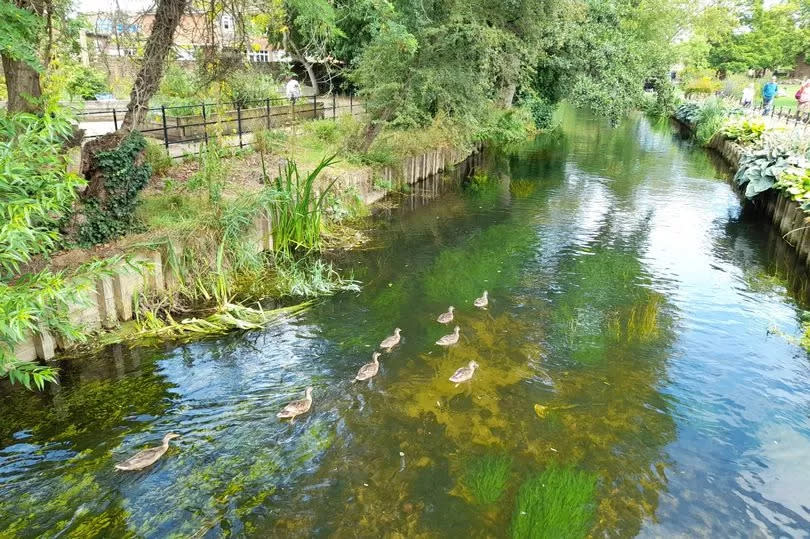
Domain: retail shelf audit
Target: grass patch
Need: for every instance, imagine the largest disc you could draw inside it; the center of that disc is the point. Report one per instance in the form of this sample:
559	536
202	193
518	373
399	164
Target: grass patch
485	477
557	504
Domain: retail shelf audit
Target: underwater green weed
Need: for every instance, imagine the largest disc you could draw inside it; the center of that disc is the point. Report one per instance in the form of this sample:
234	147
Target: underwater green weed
485	477
557	504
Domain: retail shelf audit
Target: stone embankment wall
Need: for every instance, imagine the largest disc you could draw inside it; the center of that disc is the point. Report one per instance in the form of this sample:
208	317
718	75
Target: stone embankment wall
786	214
112	299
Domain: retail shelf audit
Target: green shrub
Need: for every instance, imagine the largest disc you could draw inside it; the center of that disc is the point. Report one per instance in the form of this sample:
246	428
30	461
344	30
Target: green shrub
744	130
704	86
113	215
157	158
542	111
557	504
505	127
710	119
86	82
211	173
485	477
247	87
179	82
325	130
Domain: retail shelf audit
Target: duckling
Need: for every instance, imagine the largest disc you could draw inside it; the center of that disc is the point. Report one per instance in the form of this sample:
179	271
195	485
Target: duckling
296	408
369	370
482	302
147	457
446	318
391	341
464	374
447	340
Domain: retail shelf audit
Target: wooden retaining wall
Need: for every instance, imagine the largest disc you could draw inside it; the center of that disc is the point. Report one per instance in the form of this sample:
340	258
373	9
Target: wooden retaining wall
113	298
785	214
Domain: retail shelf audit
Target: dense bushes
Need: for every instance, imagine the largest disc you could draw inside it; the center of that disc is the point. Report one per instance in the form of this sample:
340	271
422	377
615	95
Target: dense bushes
86	82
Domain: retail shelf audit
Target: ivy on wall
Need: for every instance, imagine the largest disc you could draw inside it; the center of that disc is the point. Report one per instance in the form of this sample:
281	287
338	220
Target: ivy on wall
109	210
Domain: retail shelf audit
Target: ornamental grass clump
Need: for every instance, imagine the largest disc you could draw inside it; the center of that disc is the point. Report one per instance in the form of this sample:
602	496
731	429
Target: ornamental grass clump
485	478
557	504
297	208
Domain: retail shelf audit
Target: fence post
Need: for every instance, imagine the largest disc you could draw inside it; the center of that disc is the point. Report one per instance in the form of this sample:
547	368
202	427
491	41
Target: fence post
165	130
115	119
314	107
334	109
239	121
268	112
205	124
351	104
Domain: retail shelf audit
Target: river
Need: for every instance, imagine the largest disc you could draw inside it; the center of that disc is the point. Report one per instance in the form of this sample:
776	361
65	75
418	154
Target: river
638	376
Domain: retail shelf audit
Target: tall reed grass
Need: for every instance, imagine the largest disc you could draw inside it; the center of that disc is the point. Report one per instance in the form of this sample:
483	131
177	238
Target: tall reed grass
297	207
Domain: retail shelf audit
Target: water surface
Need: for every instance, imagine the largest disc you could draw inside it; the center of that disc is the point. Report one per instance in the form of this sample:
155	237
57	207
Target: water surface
639	338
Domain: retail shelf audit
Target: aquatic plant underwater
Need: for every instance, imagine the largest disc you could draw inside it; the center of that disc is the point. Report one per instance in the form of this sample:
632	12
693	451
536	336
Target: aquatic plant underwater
485	478
557	504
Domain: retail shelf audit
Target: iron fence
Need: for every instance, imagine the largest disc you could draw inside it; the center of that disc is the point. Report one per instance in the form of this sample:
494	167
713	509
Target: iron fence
181	129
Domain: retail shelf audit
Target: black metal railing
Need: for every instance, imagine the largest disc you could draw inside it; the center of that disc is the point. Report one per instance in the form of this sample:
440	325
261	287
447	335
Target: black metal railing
181	128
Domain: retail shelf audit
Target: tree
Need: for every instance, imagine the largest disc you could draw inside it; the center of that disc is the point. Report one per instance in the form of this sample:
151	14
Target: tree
764	39
20	27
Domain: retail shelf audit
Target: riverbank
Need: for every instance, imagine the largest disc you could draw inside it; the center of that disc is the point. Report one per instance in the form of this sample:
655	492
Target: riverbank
786	214
200	215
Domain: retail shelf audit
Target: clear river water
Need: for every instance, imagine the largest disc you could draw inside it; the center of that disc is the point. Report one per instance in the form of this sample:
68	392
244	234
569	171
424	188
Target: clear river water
639	376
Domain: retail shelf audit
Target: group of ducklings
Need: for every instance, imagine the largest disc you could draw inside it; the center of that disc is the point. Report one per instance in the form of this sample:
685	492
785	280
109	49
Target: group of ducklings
147	457
370	370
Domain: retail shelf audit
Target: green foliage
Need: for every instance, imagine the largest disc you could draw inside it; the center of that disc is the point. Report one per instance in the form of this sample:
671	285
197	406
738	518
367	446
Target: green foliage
19	30
507	127
542	111
157	158
710	120
796	184
179	82
36	189
687	112
85	82
246	88
309	277
42	300
485	478
324	130
212	172
123	177
743	130
557	504
702	86
297	208
760	169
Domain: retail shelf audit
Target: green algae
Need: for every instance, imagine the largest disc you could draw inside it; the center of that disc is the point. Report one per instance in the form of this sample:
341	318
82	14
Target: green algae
556	504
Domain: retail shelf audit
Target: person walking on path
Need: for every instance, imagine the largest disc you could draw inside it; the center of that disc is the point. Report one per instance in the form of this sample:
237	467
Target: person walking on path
769	91
292	90
748	96
803	96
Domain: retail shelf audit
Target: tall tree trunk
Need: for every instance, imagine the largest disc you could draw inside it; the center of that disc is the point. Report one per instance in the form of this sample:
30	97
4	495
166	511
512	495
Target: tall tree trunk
167	17
22	83
22	80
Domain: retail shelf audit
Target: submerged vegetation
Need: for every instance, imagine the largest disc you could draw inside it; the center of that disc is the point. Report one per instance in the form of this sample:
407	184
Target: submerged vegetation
485	478
557	504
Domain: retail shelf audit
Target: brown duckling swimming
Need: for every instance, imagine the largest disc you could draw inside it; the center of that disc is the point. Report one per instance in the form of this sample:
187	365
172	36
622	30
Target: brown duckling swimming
464	374
391	341
296	408
369	370
448	340
446	318
147	457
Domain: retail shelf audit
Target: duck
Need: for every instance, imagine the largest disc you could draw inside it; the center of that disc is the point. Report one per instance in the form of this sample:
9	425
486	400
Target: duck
446	318
447	340
482	302
391	341
296	408
147	457
464	374
369	370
